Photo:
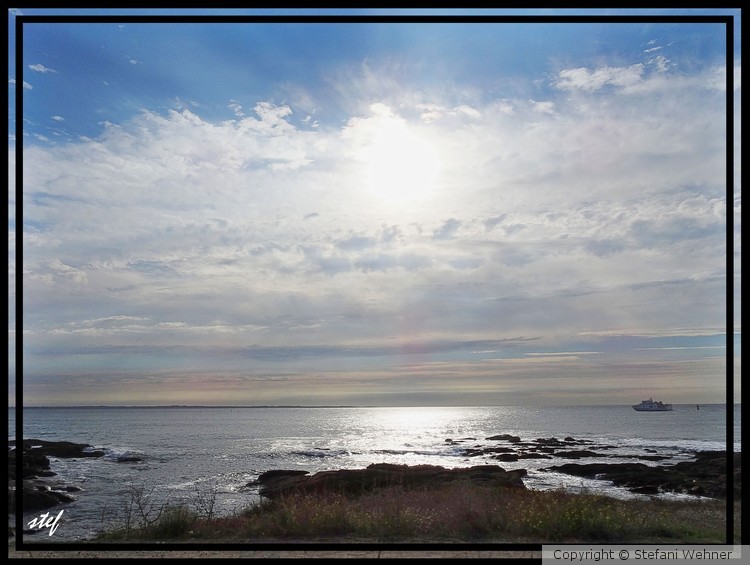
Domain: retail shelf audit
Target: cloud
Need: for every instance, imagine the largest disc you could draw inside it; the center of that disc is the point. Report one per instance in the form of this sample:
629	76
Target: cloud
432	112
39	68
58	118
585	79
26	85
236	107
254	238
447	230
545	107
661	63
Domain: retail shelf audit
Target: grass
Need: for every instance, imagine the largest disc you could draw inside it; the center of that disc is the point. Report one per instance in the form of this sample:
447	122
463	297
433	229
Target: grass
453	513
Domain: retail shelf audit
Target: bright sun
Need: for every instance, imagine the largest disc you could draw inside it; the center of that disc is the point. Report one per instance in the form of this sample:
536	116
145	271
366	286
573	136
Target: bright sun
400	165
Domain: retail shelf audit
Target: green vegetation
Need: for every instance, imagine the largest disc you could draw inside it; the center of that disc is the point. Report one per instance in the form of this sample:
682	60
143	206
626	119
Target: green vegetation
452	513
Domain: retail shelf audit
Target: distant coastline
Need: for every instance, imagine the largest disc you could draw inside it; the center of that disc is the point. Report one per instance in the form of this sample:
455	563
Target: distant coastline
334	405
205	406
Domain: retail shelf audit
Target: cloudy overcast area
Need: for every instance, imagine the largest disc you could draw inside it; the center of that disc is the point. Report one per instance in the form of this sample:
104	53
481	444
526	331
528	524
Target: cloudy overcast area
373	213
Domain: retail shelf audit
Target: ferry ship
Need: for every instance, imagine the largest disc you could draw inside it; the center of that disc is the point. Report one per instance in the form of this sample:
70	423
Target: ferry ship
651	406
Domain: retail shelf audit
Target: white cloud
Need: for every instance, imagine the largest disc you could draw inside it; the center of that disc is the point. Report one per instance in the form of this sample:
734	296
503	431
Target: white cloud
574	214
432	112
661	63
39	68
585	79
236	107
545	107
58	118
26	85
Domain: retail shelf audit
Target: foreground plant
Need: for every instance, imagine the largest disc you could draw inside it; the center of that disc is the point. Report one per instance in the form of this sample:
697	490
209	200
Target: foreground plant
458	512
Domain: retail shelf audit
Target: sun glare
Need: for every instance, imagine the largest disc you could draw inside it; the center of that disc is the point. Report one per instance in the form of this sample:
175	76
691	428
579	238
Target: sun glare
400	165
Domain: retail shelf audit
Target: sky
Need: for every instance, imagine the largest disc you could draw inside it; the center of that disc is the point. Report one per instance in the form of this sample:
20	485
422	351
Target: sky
372	213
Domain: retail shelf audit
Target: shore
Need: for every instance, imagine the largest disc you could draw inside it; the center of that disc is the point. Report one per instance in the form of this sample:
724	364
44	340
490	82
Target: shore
387	503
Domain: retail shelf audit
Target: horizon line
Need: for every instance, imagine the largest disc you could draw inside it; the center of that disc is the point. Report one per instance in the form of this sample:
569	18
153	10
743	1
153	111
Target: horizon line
338	405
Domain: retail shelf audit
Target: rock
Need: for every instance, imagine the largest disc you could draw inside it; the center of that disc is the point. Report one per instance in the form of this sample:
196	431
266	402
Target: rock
706	475
646	489
64	449
379	475
36	464
39	497
506	437
279	473
549	441
533	456
577	454
506	457
486	451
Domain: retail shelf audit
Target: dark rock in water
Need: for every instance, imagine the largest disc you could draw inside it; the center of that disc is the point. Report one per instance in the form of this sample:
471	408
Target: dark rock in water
274	476
37	496
276	473
380	475
549	441
533	456
577	454
63	449
506	437
486	451
646	489
506	457
575	441
36	464
705	476
36	454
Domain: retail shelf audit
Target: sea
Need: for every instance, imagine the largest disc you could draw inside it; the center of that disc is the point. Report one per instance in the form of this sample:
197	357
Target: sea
190	454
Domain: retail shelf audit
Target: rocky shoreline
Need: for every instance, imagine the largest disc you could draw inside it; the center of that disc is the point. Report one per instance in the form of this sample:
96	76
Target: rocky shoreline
278	483
40	493
703	476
